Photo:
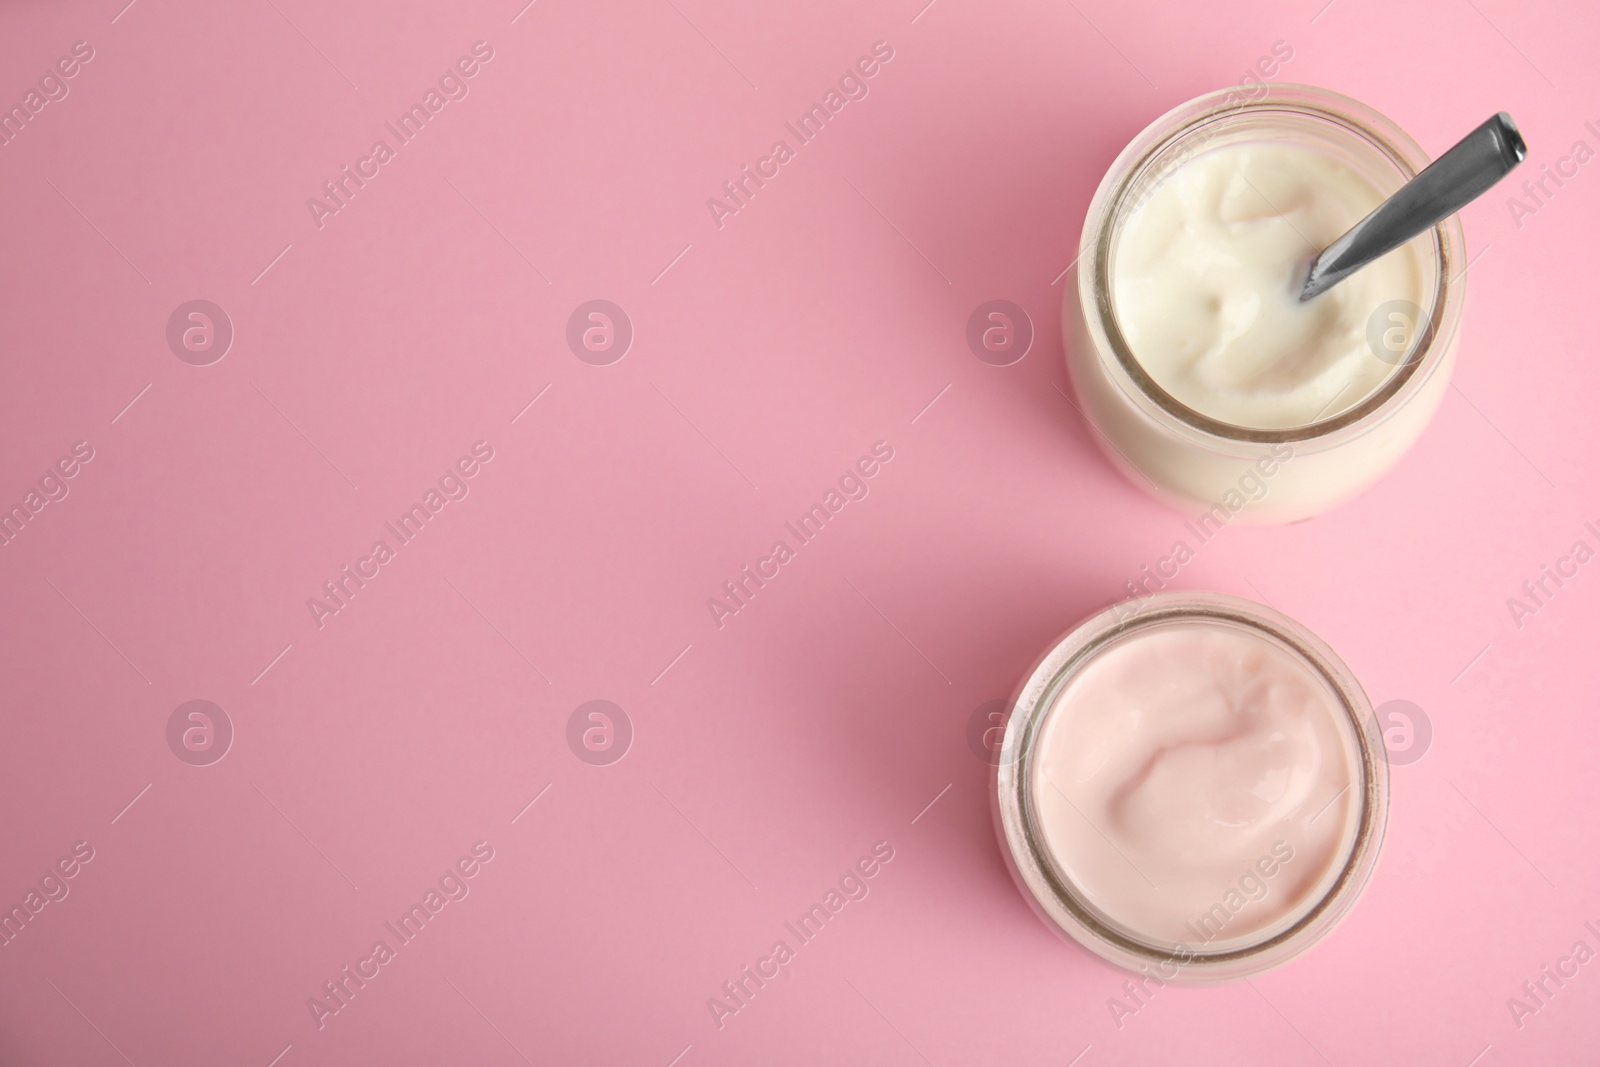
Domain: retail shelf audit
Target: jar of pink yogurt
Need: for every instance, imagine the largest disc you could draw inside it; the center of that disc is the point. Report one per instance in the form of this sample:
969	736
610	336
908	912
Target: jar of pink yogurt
1193	787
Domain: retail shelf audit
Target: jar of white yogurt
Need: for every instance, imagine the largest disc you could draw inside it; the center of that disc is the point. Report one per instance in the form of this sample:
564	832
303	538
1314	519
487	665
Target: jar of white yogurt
1204	377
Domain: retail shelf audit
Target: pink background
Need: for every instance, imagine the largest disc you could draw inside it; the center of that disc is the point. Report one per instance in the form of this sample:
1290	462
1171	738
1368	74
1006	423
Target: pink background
769	354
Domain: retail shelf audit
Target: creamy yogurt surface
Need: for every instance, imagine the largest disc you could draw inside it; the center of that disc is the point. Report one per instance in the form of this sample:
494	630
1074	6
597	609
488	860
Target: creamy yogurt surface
1205	279
1198	783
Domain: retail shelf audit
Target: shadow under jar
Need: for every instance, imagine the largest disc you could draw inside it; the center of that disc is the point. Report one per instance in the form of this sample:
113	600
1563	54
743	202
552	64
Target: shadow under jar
1231	470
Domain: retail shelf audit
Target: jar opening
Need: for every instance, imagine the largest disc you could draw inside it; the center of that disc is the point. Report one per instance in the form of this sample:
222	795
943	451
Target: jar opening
1052	889
1282	115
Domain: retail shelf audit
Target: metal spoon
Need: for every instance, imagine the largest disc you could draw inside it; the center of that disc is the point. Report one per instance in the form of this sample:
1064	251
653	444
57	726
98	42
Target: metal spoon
1444	187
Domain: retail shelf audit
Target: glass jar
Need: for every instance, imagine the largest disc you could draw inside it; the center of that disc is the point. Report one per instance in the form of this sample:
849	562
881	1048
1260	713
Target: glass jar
1065	905
1235	473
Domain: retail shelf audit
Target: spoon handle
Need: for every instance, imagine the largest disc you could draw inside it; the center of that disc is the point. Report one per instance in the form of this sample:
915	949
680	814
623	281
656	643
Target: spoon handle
1444	187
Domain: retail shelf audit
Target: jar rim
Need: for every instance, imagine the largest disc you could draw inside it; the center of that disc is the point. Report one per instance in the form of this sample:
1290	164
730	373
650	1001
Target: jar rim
1051	891
1208	116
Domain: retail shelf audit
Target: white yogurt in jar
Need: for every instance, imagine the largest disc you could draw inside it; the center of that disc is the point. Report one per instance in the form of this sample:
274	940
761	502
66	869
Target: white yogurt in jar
1205	281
